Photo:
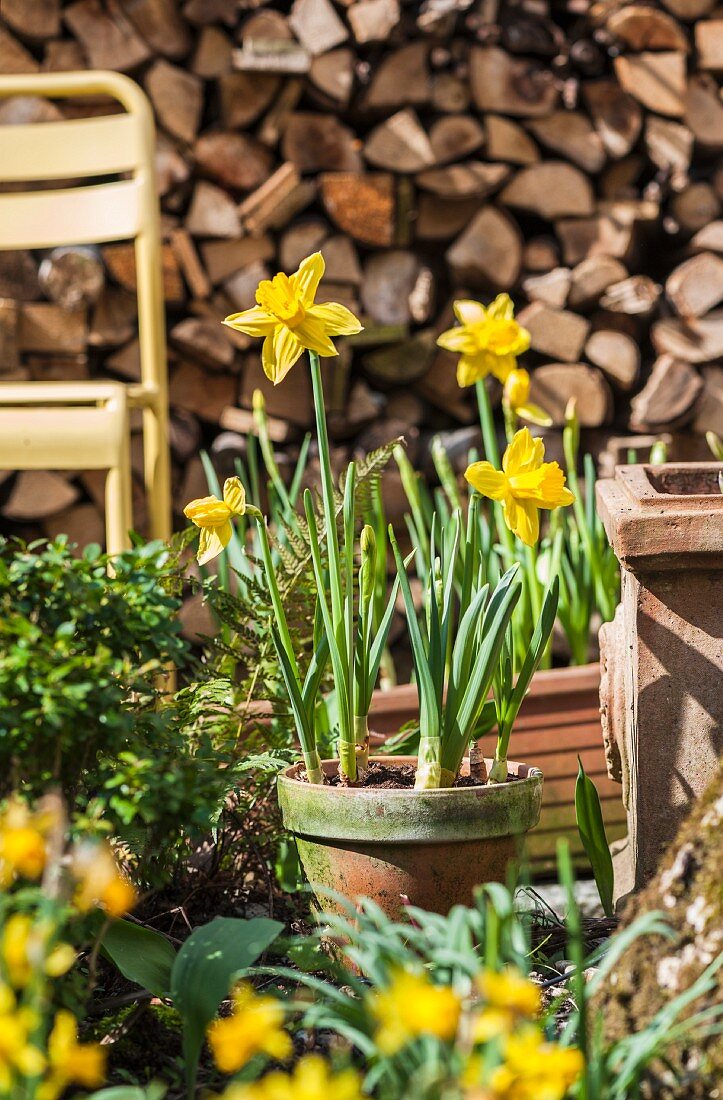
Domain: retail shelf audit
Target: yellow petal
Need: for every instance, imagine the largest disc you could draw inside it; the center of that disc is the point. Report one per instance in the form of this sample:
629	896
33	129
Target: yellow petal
469	312
523	454
522	518
501	366
533	414
254	322
311	334
483	477
279	353
472	368
234	495
207	512
502	309
336	319
306	280
212	542
458	339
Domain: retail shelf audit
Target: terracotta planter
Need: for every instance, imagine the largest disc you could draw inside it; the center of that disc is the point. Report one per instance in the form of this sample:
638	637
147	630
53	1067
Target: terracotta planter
559	719
430	848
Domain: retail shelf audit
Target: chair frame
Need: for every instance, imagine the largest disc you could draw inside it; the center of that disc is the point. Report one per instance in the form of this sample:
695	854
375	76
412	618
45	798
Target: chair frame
80	149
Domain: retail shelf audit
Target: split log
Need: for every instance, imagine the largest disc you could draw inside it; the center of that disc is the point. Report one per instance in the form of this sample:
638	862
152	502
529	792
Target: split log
450	93
670	147
557	333
317	26
689	10
243	97
551	189
474	178
617	356
373	20
402	363
552	288
698	340
708	44
241	287
37	20
126	362
204	342
399	144
342	261
696	286
696	206
600	235
271	55
14	58
39	494
177	97
402	79
440	219
292	402
161	25
454	137
113	319
363	206
277	201
657	80
616	115
301	240
212	55
489	251
212	212
668	397
636	296
106	35
9	350
189	264
332	75
553	385
222	259
172	169
120	260
571	134
591	278
397	288
540	254
641	27
46	328
709	407
510	85
72	276
205	395
709	237
507	141
242	421
704	111
319	142
82	523
232	160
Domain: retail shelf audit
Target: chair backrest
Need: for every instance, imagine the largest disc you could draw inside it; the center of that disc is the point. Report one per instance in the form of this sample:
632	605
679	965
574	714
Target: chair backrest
95	212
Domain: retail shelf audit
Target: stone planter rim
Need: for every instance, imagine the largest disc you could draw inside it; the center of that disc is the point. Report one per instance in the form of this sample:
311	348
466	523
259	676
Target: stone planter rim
407	816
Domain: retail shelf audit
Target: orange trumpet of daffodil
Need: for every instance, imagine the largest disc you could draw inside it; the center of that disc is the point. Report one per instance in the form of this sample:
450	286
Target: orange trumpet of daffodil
525	484
487	338
290	321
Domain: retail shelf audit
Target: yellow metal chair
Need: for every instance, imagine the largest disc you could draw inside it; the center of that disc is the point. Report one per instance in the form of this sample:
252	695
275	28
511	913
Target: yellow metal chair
62	426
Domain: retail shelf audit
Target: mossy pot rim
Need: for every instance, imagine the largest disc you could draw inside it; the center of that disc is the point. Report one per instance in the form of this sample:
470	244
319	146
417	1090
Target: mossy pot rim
406	816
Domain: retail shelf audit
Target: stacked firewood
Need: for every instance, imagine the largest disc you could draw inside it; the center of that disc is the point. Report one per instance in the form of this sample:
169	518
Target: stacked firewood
567	153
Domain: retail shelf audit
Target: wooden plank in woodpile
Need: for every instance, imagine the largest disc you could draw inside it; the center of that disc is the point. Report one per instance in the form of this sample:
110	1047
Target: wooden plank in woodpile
617	355
554	384
668	398
694	340
551	189
696	285
507	141
510	85
364	206
572	135
557	333
107	36
489	251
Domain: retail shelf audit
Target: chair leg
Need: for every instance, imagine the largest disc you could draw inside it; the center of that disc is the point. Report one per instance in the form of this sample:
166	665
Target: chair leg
118	520
157	473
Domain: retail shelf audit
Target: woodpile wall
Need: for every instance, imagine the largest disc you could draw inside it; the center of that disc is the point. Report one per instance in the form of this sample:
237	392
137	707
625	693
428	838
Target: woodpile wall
569	153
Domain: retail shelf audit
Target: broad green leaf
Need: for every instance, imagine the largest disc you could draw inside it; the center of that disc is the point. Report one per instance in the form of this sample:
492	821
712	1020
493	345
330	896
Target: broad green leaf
142	955
154	1091
591	827
204	970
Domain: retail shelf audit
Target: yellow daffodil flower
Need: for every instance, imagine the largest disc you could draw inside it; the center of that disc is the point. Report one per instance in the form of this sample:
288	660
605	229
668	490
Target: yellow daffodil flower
18	1057
254	1027
534	1069
23	848
516	397
71	1062
488	339
312	1079
23	951
509	998
290	321
100	882
524	485
412	1006
214	517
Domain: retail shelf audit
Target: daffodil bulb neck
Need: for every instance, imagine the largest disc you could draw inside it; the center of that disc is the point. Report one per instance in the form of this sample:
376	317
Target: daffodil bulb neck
361	734
429	772
498	771
314	771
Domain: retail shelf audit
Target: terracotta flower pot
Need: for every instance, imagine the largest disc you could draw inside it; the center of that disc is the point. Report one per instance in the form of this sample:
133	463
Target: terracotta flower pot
430	848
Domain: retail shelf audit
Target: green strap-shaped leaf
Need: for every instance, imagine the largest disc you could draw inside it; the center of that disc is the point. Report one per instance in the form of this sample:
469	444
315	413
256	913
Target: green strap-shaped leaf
142	955
591	827
204	971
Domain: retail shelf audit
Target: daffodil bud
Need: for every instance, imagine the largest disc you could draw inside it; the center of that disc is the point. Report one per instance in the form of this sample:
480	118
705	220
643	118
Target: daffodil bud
517	388
368	544
716	445
659	452
258	402
571	434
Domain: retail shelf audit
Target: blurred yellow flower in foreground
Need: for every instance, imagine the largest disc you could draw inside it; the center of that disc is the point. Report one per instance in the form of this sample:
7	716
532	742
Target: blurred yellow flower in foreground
23	951
412	1006
312	1079
516	396
99	881
287	316
214	517
23	848
18	1057
509	998
525	484
255	1027
488	339
534	1069
69	1061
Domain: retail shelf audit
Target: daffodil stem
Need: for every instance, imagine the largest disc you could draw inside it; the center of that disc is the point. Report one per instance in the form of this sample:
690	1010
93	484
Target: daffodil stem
327	490
492	454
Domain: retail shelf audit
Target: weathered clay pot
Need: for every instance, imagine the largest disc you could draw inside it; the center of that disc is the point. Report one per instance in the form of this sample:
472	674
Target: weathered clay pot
559	720
427	848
